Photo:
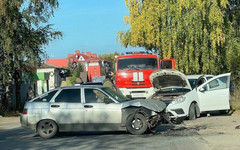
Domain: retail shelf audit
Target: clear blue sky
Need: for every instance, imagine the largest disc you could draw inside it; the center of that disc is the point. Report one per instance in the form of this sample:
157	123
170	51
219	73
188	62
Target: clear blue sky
88	25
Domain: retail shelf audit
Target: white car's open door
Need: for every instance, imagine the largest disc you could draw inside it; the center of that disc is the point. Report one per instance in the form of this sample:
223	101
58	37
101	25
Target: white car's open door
214	94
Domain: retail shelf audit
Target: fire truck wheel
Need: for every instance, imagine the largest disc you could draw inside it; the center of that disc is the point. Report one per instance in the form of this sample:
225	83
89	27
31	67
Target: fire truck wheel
136	124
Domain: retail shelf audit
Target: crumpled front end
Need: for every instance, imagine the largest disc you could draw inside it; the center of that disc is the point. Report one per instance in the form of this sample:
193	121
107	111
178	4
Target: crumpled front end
157	106
153	110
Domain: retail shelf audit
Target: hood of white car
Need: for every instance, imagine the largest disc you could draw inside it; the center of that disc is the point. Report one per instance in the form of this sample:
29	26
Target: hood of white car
154	105
169	78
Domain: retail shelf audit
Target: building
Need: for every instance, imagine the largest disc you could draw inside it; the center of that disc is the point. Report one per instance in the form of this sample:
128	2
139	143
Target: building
93	66
47	78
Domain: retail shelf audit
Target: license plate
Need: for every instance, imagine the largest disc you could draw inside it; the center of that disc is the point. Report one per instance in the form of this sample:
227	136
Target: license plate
138	94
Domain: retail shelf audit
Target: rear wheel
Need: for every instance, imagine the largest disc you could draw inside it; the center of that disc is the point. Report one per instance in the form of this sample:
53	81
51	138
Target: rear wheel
136	124
47	129
192	112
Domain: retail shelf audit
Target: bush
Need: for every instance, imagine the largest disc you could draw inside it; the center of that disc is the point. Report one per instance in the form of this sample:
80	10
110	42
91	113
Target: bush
235	99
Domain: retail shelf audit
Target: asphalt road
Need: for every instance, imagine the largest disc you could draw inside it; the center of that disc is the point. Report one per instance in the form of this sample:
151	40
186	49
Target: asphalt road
14	137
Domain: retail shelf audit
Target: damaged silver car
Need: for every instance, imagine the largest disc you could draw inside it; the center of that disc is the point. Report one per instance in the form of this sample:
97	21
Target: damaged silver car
90	108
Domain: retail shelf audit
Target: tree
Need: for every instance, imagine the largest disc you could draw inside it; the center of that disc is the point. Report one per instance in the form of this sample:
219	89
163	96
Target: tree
201	35
111	58
23	33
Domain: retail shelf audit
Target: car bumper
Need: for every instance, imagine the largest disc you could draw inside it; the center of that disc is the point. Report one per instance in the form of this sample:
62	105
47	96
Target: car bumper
137	93
24	122
176	111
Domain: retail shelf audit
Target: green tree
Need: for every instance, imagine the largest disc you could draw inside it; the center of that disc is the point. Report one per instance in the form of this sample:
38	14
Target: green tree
201	35
111	58
23	33
74	72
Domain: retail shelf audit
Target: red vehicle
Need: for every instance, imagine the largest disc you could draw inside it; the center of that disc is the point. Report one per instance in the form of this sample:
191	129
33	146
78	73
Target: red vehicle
167	63
133	71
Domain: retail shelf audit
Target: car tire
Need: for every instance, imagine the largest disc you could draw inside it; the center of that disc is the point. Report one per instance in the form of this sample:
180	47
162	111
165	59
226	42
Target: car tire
136	124
47	129
192	112
197	110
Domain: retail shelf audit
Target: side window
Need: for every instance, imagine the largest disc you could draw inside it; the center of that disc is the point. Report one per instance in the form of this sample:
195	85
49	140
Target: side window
46	97
69	95
94	96
219	83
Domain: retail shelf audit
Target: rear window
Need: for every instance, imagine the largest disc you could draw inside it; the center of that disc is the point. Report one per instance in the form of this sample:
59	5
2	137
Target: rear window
46	97
137	63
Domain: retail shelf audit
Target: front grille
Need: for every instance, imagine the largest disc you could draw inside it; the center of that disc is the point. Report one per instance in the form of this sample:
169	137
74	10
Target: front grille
137	84
137	91
139	98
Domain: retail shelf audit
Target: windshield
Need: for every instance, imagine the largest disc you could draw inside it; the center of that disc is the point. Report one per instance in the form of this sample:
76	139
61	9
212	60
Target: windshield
173	90
118	96
137	63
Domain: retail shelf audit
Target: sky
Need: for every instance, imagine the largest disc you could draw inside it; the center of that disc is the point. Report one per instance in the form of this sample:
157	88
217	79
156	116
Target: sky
89	26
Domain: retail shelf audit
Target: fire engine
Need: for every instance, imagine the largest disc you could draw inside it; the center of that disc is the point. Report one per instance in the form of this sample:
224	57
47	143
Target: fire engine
133	71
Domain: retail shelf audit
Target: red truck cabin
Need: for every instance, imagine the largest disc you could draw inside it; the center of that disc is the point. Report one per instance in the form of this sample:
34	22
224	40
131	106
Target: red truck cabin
132	74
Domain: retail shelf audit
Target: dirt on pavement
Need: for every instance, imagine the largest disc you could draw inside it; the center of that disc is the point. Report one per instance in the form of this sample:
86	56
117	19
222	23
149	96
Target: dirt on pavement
222	132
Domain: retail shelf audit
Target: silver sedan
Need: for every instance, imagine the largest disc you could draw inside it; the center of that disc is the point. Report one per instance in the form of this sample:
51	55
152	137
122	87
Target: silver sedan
90	108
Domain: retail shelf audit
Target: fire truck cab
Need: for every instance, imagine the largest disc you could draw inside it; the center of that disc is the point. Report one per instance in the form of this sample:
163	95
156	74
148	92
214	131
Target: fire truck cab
132	73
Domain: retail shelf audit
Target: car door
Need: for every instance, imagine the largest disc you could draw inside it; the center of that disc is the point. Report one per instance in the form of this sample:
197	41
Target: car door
214	94
100	114
67	110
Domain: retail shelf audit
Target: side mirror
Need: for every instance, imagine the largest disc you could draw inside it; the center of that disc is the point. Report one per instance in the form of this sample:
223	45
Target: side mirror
202	90
107	100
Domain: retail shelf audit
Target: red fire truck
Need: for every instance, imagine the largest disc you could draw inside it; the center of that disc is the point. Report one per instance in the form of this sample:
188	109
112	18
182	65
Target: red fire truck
133	71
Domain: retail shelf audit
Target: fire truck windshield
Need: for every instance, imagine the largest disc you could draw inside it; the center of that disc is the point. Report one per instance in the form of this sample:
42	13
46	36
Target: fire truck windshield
137	63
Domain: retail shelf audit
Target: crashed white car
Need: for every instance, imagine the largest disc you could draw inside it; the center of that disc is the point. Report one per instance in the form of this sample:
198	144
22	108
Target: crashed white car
173	87
90	108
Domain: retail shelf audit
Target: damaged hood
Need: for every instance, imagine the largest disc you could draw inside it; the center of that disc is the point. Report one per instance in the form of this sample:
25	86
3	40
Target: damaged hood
154	105
169	78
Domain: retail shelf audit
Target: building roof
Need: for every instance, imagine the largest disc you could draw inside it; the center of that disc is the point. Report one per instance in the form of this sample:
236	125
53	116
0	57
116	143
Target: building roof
75	58
63	62
85	57
45	65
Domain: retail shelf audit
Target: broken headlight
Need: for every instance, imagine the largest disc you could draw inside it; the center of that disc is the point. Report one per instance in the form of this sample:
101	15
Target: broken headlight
178	100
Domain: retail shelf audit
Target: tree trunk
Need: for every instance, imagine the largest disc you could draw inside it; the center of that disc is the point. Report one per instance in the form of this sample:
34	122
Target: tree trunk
17	80
8	99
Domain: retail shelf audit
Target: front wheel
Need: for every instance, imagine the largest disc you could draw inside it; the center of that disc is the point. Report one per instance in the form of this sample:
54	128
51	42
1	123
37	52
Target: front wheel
47	129
192	112
136	124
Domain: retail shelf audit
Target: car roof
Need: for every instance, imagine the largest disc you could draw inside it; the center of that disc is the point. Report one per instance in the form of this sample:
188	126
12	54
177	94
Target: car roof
80	86
196	76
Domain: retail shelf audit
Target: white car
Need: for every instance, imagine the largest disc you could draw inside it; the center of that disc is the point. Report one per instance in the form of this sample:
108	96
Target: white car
173	87
197	80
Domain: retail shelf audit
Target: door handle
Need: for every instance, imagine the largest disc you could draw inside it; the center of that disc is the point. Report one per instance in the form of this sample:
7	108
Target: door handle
55	106
88	106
